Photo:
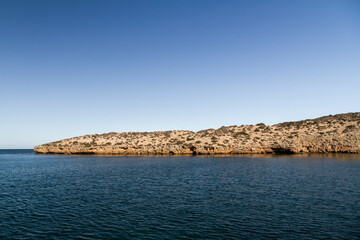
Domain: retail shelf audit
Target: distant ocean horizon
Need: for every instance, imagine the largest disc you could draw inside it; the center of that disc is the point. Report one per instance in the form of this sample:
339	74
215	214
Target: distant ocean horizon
240	197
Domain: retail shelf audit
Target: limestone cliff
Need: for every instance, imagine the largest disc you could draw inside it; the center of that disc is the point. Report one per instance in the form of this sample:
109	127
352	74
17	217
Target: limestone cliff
330	134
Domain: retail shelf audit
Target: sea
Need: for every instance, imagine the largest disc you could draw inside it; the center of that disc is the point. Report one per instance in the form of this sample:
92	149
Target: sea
176	197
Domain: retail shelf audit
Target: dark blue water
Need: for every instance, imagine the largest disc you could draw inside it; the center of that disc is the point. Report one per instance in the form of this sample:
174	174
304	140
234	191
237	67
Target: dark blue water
95	197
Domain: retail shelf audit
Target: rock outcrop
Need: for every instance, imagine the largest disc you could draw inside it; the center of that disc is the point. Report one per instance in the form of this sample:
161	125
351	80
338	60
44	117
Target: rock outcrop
330	134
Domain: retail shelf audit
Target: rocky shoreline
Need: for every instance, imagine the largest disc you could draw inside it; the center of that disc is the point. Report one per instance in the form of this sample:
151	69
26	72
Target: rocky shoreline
330	134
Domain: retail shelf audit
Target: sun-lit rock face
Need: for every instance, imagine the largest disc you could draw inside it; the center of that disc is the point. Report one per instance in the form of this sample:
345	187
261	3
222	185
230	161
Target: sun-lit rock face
337	133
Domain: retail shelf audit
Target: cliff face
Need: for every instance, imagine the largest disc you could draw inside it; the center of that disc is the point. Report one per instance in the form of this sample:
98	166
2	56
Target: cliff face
337	133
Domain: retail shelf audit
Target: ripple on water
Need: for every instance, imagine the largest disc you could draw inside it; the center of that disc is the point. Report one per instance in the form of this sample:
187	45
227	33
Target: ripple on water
87	197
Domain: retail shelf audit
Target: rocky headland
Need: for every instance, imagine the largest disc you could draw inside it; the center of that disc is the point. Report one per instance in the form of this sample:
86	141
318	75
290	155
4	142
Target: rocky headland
330	134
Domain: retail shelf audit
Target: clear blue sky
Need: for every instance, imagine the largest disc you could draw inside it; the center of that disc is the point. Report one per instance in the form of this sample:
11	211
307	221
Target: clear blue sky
70	68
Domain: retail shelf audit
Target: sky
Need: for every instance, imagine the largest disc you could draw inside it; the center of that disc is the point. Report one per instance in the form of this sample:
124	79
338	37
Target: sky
71	68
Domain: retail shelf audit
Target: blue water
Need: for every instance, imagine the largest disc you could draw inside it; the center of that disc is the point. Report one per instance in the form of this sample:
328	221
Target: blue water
98	197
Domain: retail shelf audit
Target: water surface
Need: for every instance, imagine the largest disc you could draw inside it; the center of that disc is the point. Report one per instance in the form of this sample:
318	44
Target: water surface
97	197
